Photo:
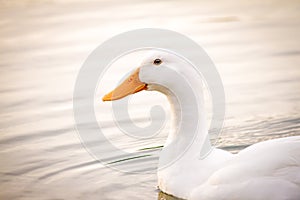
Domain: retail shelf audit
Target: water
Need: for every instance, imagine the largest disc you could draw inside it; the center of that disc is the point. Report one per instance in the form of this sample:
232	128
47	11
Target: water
254	45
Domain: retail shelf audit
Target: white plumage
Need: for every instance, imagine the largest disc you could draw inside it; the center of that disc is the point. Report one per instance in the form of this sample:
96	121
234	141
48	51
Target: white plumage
266	170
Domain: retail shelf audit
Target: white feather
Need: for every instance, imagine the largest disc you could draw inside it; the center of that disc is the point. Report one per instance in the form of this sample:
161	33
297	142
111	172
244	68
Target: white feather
266	170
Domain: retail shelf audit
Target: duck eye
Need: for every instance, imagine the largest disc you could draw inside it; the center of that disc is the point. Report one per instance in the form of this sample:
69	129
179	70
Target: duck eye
157	61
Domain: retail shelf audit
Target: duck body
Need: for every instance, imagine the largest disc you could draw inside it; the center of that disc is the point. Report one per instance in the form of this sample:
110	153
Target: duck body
189	167
181	178
265	170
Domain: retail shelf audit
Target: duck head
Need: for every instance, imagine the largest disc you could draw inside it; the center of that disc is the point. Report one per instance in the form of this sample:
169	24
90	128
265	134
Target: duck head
156	72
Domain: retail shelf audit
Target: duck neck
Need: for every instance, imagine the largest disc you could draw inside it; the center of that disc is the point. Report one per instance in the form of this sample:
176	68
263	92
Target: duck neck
188	136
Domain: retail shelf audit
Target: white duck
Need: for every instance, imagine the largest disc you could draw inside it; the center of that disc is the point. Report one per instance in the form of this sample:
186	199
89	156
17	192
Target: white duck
266	170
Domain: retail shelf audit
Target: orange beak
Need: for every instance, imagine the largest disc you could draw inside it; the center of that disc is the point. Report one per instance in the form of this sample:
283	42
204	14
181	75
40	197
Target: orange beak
130	86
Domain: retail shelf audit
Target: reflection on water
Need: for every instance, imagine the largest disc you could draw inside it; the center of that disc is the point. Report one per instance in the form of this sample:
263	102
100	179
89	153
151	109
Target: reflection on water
254	45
